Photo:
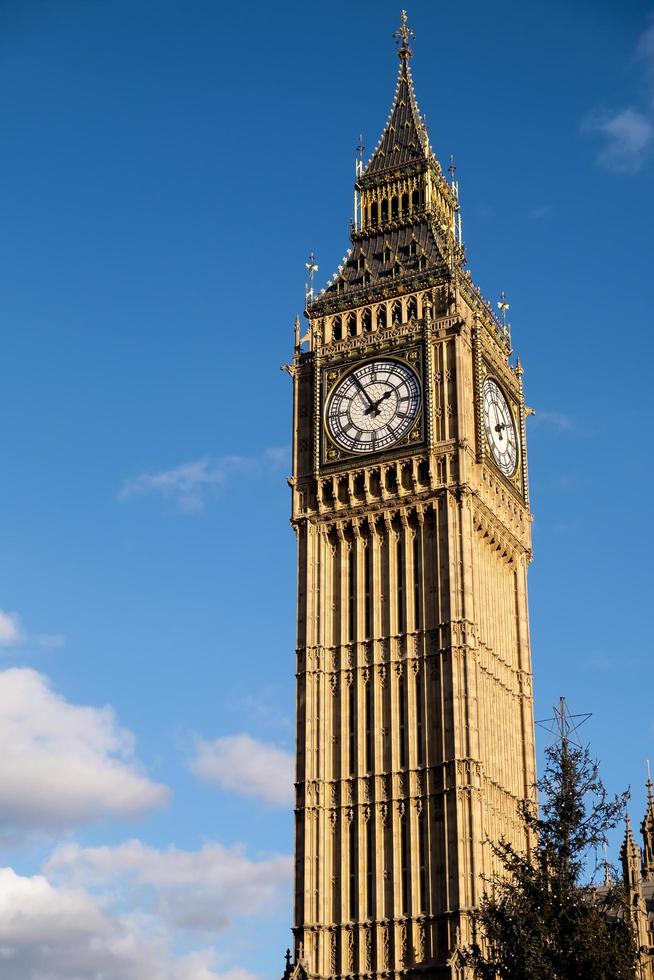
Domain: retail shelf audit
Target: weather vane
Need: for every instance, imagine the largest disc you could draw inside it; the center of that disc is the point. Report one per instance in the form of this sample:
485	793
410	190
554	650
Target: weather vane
503	306
361	149
312	268
452	167
402	36
563	723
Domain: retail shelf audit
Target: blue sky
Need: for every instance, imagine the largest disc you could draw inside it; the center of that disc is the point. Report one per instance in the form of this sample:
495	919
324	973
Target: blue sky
166	169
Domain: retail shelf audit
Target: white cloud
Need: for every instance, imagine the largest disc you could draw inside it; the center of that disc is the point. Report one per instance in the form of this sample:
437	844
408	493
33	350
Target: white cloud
628	136
200	890
51	932
189	483
556	420
12	633
62	764
628	133
50	641
245	765
10	629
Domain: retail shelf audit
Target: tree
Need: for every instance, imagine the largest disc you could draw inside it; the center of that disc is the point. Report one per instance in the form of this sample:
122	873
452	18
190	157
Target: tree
537	920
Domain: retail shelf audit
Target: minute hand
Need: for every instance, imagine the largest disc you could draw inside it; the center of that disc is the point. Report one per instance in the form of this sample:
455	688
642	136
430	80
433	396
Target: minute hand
362	389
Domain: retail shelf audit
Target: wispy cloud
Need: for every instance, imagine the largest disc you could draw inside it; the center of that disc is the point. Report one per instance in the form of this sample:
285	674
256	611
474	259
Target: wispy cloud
190	483
538	213
203	890
555	420
50	641
11	632
242	764
627	133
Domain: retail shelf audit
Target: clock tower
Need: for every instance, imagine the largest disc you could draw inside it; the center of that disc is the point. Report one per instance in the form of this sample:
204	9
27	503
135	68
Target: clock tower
415	738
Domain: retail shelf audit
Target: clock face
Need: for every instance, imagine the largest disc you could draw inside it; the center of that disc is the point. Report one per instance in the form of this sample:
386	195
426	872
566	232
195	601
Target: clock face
373	406
500	427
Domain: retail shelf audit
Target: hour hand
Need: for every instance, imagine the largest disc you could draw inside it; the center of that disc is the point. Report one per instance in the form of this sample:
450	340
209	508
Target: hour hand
374	407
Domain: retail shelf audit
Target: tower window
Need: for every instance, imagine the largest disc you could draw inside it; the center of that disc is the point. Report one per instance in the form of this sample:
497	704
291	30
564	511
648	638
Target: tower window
417	618
368	720
370	869
353	868
396	312
381	317
394	207
361	263
390	479
351	600
366	318
352	325
404	861
422	263
374	213
352	724
384	210
405	204
386	255
419	722
400	585
397	269
422	857
413	248
337	328
367	585
415	199
412	308
401	697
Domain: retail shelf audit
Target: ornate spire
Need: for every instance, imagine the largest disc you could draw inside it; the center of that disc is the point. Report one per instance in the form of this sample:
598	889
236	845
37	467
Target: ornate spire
404	140
647	829
406	231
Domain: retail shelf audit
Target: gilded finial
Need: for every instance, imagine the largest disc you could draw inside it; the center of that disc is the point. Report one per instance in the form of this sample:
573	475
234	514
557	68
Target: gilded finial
402	36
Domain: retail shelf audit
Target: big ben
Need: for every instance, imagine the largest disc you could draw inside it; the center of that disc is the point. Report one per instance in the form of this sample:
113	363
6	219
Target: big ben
415	740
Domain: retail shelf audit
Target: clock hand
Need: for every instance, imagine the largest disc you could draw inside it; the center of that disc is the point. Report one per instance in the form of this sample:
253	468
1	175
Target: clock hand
375	407
363	390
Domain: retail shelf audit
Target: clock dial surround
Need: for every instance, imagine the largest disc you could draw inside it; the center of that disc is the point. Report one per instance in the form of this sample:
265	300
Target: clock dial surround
500	427
374	406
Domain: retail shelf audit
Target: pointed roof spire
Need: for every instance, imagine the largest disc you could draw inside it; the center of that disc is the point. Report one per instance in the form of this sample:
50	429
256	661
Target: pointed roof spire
404	139
647	830
630	856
